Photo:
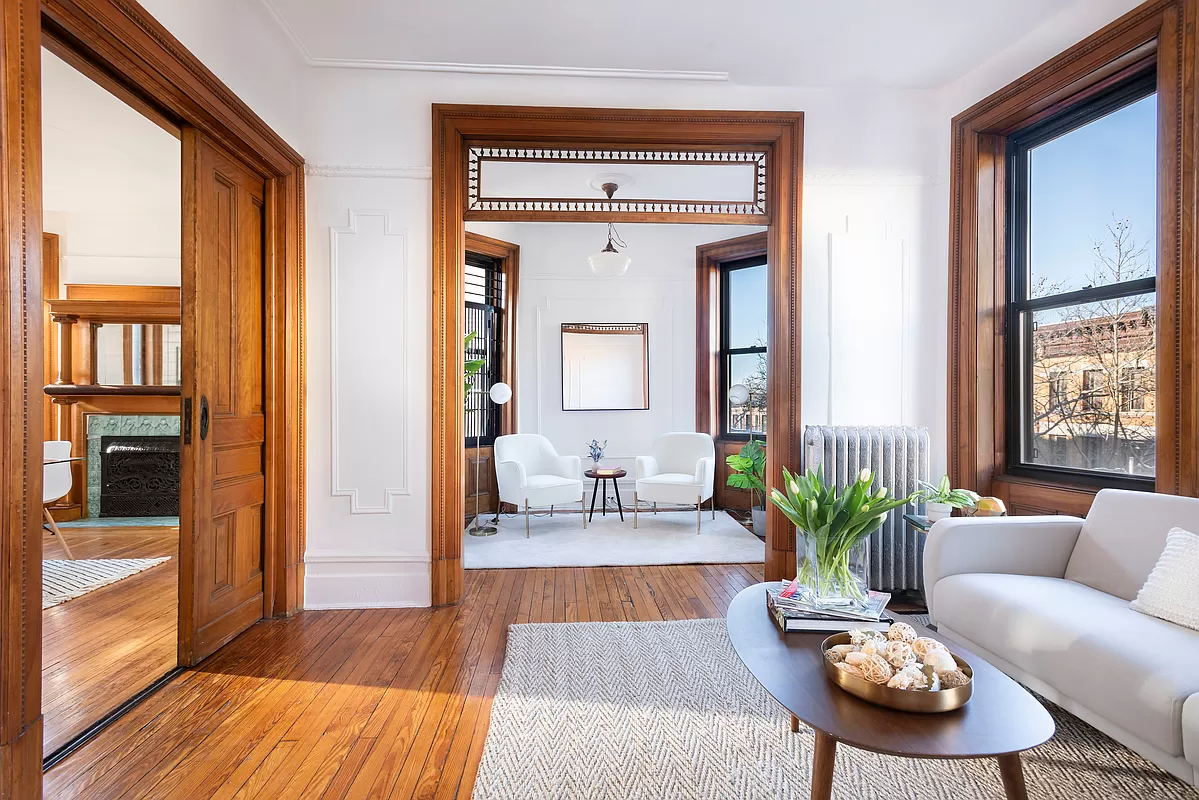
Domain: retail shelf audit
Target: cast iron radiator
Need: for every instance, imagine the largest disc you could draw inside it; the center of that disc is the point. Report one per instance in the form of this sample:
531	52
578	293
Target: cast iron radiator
898	456
139	476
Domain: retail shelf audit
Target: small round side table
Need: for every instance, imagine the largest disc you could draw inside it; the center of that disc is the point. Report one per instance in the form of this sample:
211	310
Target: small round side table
605	475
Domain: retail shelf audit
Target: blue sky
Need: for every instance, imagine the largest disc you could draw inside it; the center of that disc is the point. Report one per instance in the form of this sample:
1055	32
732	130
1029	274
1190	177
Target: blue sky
1080	180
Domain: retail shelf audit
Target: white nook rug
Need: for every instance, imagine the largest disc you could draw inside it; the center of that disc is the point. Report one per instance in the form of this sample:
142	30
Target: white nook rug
66	580
666	710
666	538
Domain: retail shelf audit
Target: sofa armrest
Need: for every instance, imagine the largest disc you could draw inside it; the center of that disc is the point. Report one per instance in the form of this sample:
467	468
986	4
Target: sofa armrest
647	467
1010	545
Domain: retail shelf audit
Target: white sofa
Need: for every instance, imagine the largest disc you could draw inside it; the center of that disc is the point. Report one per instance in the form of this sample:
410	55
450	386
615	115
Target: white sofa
680	469
530	472
1046	599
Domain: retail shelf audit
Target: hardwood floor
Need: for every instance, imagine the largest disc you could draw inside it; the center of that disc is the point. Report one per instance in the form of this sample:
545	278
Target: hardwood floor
101	649
380	703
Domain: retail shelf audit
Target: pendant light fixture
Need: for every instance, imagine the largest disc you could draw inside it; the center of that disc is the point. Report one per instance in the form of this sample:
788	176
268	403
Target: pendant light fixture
610	262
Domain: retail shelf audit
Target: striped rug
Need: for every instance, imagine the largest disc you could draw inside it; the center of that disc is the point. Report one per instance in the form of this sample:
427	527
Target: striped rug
66	580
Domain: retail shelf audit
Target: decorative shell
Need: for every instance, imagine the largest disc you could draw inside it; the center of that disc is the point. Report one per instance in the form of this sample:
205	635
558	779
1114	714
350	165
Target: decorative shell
874	646
923	644
940	660
899	653
953	678
860	638
916	678
901	632
857	658
902	680
843	649
876	669
850	668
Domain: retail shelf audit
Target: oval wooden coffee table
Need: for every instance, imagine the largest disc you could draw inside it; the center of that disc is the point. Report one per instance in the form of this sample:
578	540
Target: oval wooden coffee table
1001	720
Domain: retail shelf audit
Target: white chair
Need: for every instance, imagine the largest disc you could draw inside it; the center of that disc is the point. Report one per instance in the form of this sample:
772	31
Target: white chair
681	468
530	472
56	483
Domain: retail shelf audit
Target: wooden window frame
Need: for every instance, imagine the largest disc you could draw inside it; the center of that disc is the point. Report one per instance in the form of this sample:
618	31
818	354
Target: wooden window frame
709	302
725	352
779	134
508	256
1159	36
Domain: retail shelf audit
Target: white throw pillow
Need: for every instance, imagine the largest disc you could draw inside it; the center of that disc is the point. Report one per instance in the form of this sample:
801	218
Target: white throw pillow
1170	592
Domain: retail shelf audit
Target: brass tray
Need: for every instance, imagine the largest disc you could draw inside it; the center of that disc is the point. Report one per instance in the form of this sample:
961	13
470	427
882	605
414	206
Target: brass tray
898	699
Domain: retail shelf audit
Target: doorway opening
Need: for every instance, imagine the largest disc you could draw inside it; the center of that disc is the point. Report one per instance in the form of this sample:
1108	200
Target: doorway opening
112	216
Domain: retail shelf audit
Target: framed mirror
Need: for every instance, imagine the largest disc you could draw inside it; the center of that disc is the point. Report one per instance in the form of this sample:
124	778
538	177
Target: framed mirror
605	366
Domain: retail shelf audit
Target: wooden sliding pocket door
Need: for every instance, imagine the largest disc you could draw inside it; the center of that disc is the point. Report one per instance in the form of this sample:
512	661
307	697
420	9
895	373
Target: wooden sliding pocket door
221	511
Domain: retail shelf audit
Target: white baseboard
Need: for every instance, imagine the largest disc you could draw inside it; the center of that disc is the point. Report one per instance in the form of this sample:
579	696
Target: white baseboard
366	580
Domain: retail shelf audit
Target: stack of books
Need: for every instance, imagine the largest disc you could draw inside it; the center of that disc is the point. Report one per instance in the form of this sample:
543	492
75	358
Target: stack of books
794	615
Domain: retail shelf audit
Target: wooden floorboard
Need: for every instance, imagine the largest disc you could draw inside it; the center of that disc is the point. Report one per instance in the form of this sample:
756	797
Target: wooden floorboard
100	649
378	703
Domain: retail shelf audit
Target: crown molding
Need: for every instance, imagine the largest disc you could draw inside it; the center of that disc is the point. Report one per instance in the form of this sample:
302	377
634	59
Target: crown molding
367	171
484	69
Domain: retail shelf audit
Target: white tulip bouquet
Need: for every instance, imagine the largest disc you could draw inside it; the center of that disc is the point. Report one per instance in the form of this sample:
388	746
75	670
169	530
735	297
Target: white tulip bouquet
833	523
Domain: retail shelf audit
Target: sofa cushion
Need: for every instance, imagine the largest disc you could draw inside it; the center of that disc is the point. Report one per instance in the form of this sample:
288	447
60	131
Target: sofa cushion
1123	537
1170	593
1132	669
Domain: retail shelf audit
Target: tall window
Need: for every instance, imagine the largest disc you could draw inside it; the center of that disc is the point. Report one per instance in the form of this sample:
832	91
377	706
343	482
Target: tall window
1082	311
743	344
484	318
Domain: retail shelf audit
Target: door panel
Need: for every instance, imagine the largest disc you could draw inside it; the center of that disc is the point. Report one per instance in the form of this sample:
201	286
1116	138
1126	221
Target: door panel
221	594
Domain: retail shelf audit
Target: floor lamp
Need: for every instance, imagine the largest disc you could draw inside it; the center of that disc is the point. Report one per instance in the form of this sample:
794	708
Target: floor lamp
500	394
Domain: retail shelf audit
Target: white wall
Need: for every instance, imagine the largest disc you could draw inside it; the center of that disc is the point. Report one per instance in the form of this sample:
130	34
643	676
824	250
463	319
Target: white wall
111	187
556	287
867	162
876	201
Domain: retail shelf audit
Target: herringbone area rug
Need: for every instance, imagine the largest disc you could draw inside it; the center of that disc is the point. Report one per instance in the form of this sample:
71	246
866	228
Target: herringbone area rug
666	710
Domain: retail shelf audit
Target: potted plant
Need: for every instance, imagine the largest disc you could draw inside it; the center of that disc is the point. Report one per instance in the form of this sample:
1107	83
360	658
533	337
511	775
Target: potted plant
472	367
831	530
749	472
940	500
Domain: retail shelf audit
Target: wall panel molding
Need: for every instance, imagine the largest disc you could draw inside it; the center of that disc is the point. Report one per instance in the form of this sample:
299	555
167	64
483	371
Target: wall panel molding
368	171
364	349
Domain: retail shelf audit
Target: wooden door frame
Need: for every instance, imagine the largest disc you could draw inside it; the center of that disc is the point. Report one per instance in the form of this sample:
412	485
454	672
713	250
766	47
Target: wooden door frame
1158	35
120	45
455	127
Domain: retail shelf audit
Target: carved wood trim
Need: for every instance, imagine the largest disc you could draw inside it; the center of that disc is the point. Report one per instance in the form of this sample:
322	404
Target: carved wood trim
121	40
1161	35
457	127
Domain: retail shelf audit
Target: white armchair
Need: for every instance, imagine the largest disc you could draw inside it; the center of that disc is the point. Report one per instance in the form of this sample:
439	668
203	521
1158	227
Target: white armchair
530	472
681	468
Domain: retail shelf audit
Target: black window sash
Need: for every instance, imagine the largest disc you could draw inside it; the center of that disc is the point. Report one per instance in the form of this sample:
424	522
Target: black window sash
1018	324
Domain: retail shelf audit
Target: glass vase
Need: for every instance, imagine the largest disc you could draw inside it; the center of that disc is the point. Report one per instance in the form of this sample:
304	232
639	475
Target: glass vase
830	576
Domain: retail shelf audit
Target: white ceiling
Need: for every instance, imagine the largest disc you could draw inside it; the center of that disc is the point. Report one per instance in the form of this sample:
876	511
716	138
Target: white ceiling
912	44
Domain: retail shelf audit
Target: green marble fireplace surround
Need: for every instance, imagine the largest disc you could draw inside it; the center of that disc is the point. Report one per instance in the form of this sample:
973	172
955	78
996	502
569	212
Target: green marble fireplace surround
99	425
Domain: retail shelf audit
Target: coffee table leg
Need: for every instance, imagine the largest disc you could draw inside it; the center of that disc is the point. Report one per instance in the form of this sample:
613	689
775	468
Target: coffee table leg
822	766
619	507
1013	777
794	724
